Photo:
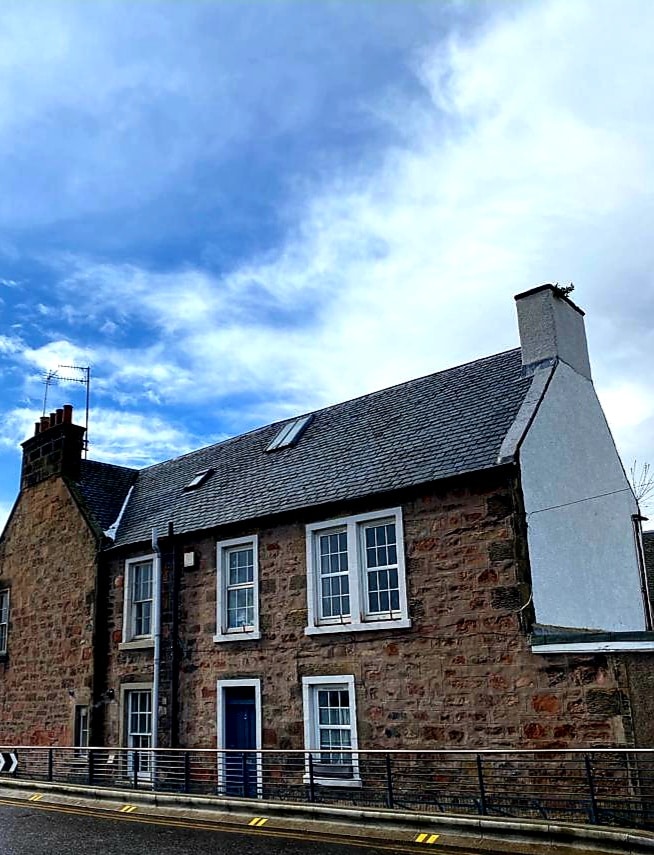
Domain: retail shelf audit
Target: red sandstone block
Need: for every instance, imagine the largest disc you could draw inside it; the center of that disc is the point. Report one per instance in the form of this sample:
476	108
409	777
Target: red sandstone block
533	730
546	704
497	681
564	731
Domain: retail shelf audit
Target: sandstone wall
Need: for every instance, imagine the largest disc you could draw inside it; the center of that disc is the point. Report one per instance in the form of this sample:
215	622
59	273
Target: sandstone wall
47	560
462	676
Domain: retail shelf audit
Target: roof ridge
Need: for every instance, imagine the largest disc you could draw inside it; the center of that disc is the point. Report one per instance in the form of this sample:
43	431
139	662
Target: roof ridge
112	465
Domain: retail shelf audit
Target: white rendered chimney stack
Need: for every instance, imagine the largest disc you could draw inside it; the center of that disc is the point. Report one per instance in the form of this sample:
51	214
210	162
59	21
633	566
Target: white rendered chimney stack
551	327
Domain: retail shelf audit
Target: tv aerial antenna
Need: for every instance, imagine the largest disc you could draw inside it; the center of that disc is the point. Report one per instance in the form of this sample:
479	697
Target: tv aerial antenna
70	374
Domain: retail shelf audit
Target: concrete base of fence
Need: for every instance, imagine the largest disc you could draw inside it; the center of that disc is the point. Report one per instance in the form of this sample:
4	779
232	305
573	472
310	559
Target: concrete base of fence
486	833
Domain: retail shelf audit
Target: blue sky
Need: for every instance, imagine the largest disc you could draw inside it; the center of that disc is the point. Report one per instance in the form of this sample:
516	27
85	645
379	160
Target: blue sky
237	211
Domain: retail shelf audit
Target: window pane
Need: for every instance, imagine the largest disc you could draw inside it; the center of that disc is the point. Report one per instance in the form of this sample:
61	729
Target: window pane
239	588
141	586
333	553
381	565
334	583
142	581
143	618
240	608
240	567
335	598
334	725
81	738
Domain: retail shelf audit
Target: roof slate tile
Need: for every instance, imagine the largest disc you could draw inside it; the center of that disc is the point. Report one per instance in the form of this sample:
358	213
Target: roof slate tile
434	427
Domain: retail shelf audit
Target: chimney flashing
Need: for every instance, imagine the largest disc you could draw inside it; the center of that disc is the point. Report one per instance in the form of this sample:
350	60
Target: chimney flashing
551	330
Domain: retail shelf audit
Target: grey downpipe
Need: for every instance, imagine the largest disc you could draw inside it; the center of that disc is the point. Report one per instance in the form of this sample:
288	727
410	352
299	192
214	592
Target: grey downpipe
157	646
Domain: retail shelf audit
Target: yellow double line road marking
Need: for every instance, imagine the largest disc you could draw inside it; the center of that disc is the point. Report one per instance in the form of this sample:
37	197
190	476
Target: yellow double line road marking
127	809
118	816
36	797
258	821
427	838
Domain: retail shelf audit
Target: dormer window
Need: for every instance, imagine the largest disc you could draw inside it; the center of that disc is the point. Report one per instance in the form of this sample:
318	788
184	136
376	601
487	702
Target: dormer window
199	479
290	433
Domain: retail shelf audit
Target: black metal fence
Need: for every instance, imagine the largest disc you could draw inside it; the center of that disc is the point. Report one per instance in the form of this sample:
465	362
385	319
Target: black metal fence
595	786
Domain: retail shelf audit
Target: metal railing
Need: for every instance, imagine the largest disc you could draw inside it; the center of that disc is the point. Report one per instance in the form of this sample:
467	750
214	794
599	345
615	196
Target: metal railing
584	786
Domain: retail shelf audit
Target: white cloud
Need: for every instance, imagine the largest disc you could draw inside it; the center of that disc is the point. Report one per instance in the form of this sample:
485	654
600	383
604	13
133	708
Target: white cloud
542	147
115	436
136	440
531	160
17	426
10	344
55	353
103	106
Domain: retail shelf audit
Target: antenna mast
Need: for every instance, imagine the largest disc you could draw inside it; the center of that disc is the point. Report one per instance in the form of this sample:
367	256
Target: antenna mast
82	374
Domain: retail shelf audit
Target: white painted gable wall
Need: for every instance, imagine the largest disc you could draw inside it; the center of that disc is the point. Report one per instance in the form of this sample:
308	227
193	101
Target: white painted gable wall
583	558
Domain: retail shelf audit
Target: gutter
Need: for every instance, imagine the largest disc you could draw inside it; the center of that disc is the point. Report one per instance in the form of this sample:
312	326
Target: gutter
543	641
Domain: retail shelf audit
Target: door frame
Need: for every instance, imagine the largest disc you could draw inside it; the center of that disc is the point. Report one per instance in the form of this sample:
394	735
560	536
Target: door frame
221	685
123	736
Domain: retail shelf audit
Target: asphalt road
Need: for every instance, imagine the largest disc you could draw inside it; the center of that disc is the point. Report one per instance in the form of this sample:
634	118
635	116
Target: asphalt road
42	830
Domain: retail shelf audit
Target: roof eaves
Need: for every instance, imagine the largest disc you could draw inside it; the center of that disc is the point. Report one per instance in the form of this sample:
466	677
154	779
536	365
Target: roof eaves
327	503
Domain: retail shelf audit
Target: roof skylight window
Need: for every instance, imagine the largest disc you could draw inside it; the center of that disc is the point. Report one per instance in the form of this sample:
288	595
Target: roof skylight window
290	433
199	478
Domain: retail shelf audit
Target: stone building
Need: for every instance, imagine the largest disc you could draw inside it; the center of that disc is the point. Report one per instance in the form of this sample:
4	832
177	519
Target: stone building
452	562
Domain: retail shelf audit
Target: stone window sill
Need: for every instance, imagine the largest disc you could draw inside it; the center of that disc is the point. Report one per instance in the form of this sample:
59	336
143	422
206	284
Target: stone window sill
327	628
250	635
352	783
137	644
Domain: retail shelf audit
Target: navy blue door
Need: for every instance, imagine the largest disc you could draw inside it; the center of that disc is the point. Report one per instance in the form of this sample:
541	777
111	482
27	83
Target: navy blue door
240	733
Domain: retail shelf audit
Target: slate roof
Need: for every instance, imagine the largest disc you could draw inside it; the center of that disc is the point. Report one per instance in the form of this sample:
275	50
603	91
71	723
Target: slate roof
104	488
434	427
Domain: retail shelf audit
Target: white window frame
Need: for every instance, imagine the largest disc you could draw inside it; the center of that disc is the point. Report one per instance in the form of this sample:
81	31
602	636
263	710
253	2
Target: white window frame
221	685
127	691
4	593
358	620
81	733
310	688
131	641
223	548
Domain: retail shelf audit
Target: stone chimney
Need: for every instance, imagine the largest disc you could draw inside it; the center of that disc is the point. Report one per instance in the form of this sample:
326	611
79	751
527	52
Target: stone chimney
55	449
551	327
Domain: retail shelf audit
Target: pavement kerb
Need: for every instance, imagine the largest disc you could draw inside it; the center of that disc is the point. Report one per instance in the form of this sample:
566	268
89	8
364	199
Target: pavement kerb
631	840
